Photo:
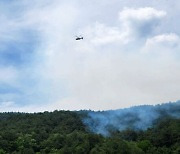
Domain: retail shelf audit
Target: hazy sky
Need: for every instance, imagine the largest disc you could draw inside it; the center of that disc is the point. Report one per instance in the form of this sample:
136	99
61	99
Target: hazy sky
130	54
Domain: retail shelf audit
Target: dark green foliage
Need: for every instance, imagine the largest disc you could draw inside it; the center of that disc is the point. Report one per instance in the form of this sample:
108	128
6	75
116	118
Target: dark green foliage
64	132
166	133
144	145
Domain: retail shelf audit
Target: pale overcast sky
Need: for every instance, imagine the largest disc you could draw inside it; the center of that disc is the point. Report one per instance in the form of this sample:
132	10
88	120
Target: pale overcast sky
130	54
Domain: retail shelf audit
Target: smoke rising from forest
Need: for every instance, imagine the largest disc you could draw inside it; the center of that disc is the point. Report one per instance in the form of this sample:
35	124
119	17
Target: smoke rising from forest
137	118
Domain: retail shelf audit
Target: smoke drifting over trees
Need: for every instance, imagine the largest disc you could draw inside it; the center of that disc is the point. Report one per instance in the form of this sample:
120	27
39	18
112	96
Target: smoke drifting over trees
137	118
84	132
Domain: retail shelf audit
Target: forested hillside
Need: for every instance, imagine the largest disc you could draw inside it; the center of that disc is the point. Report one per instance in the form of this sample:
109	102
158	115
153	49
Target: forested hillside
69	132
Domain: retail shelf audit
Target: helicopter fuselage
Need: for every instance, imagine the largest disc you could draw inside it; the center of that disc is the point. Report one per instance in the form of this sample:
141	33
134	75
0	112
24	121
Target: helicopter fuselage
79	38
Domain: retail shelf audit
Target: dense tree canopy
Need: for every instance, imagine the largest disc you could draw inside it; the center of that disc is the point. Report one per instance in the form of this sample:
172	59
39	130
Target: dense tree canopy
64	132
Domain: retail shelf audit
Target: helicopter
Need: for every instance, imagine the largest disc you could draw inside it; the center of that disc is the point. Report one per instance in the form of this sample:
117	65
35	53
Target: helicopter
79	38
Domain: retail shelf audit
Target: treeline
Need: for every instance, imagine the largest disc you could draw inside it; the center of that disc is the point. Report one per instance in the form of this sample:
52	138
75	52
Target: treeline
64	132
136	118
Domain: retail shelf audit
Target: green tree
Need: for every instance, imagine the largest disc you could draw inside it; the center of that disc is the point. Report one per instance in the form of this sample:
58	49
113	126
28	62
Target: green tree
144	145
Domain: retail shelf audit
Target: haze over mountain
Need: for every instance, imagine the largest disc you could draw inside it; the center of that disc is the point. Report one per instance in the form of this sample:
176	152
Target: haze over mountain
136	118
141	129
